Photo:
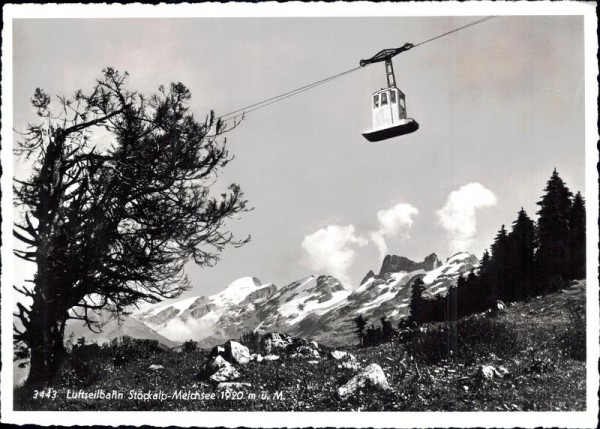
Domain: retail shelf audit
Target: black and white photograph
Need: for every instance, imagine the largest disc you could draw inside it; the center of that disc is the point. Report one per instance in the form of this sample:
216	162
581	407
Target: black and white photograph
356	214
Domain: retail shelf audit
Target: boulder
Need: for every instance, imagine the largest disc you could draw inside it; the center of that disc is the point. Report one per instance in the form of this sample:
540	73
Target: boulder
274	341
271	357
372	376
345	359
339	355
256	357
349	364
216	364
500	305
305	351
236	352
503	372
233	386
155	367
217	351
488	372
233	352
225	374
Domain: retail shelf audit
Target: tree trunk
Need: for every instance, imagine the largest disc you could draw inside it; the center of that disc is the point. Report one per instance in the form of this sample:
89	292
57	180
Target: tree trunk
45	340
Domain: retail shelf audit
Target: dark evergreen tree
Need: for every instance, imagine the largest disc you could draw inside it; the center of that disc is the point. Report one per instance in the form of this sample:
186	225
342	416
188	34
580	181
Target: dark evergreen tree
360	322
387	330
417	302
484	266
480	286
553	256
372	336
498	280
452	300
577	239
521	258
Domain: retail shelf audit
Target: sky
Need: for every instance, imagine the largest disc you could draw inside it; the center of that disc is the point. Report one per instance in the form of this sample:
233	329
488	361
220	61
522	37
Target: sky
500	105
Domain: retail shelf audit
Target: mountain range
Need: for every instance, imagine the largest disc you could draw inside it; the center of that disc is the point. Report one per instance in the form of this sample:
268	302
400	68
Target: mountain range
316	307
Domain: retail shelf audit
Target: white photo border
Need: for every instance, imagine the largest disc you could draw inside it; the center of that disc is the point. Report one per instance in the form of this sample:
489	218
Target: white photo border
586	418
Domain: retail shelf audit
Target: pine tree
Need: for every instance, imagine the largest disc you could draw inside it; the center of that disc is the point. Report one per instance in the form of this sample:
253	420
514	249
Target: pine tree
387	330
452	301
499	267
417	303
521	258
463	305
553	256
361	322
577	238
111	226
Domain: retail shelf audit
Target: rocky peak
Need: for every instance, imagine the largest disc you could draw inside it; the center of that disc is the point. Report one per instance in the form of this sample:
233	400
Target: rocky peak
369	275
394	264
431	262
330	283
261	293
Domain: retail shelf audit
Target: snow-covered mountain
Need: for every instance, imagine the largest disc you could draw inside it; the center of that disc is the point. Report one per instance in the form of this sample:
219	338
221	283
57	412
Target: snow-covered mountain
314	307
113	328
211	319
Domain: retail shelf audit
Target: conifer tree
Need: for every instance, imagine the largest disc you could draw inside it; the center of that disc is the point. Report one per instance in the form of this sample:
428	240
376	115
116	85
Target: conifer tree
577	238
361	322
521	258
417	303
553	256
387	330
499	266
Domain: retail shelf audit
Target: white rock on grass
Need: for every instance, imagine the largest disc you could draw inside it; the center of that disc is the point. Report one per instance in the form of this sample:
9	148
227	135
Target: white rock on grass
216	364
274	341
225	374
307	352
256	357
338	354
349	364
155	367
233	386
271	357
346	360
503	372
372	376
236	352
488	372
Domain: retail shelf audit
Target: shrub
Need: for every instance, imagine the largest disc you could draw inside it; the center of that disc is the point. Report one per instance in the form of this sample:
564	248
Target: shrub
189	346
83	367
467	340
125	350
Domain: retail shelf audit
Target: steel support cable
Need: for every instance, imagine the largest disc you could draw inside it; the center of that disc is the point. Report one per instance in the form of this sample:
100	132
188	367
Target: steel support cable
285	95
479	21
264	103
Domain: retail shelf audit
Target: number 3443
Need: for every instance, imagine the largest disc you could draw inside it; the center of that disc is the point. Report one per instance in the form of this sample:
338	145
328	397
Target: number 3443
45	394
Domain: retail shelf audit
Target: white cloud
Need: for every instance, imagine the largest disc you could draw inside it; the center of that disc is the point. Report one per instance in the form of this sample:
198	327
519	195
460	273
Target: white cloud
393	222
332	250
458	218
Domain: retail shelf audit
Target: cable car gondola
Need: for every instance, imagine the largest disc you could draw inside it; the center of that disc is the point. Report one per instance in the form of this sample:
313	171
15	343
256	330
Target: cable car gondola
389	104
